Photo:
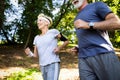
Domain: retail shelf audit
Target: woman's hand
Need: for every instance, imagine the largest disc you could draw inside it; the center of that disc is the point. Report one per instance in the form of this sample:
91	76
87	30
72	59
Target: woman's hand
27	50
56	50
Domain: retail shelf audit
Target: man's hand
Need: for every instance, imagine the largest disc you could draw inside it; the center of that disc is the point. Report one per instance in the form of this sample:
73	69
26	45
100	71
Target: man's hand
80	24
73	51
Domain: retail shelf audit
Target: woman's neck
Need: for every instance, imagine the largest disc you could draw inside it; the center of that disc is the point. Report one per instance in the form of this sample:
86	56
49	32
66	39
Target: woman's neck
44	31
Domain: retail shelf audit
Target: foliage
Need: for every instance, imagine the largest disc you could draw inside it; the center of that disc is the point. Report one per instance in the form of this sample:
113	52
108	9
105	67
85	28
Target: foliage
66	26
115	38
29	74
61	11
115	7
31	10
4	6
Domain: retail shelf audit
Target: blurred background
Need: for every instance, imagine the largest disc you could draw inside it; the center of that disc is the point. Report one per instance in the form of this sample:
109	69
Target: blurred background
18	28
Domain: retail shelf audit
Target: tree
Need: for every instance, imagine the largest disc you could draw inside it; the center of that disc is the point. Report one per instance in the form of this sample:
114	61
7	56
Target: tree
31	10
4	5
2	9
25	28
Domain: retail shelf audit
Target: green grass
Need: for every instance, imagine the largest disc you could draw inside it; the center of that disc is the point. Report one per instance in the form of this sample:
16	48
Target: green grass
29	74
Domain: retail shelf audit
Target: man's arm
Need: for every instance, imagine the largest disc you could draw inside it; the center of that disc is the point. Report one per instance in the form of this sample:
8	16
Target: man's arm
111	22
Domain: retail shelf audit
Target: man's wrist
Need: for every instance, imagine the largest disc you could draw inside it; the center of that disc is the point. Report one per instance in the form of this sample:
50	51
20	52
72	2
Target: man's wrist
91	25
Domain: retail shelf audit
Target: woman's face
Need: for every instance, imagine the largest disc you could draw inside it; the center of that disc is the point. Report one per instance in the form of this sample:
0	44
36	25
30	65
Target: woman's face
41	22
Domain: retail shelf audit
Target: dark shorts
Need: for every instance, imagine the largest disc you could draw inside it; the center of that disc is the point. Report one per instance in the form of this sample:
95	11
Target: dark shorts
100	67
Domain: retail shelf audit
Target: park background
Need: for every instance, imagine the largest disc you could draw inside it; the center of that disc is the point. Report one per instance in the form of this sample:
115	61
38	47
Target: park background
18	28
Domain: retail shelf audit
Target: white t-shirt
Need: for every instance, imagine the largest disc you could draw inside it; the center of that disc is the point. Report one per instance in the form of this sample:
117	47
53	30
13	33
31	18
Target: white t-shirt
45	46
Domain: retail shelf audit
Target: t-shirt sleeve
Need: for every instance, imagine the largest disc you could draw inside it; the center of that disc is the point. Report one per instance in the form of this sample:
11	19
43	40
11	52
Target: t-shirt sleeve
102	9
34	41
55	32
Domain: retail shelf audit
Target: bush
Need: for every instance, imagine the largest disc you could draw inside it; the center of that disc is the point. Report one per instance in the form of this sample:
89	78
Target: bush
30	74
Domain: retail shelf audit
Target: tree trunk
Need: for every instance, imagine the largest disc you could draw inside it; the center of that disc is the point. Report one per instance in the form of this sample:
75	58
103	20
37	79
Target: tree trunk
28	38
2	8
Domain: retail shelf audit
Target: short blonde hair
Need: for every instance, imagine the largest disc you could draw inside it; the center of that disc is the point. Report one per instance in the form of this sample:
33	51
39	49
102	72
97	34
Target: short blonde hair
45	16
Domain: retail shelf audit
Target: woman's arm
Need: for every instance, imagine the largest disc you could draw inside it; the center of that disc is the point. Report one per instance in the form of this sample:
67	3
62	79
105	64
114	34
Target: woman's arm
65	42
35	52
64	39
30	53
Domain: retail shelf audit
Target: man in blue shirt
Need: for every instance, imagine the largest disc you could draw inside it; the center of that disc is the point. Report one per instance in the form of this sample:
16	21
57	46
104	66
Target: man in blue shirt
97	59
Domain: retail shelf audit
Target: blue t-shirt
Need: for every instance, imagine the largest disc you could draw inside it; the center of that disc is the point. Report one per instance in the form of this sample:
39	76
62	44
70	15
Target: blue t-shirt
93	42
